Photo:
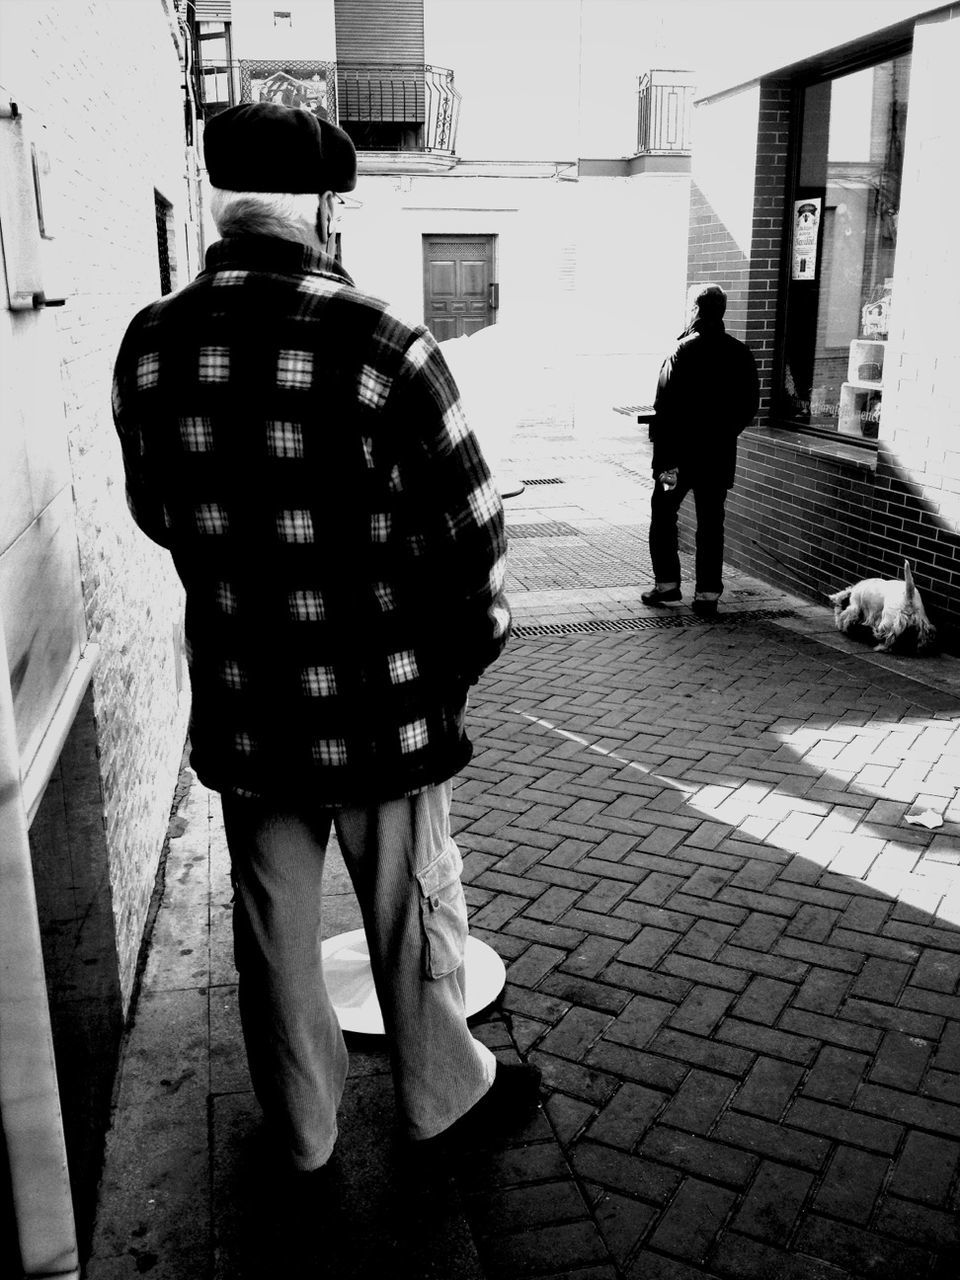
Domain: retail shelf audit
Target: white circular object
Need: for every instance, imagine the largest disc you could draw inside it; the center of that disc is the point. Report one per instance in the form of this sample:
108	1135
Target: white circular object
346	970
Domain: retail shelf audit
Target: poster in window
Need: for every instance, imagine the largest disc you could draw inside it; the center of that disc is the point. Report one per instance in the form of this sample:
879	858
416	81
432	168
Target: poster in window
806	229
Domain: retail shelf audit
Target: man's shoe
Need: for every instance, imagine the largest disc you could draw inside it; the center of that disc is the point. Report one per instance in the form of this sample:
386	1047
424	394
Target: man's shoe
705	608
662	595
510	1102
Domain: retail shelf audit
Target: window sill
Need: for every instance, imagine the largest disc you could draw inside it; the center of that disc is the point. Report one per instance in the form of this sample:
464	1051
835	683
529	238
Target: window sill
862	456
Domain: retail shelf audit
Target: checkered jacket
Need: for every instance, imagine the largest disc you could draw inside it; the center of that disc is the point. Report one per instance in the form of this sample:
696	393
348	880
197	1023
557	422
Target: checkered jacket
303	454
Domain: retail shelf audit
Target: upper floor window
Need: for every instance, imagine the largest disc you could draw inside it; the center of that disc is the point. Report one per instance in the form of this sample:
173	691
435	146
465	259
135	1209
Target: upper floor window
841	290
213	51
282	18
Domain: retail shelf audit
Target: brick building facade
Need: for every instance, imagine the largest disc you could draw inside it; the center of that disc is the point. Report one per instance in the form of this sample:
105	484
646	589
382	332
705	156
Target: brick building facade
819	504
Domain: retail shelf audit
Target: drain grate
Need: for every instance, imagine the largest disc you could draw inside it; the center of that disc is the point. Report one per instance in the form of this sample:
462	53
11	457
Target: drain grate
589	626
544	480
546	529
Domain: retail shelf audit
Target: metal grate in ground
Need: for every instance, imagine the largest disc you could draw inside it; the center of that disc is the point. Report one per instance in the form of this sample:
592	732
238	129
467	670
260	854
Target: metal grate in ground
545	529
526	630
544	480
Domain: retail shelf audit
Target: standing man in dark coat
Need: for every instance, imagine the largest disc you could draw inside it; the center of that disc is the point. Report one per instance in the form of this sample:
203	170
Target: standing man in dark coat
301	452
707	393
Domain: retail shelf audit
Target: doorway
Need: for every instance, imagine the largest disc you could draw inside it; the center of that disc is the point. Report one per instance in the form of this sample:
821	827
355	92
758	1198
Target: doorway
459	284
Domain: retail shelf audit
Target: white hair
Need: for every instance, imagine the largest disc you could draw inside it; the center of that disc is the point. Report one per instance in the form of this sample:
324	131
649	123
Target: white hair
289	215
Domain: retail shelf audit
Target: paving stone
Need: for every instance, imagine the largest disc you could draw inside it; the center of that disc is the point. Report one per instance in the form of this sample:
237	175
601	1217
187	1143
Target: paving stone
649	947
692	1222
576	1031
773	1202
768	1088
895	1019
768	1040
709	973
836	1075
833	1030
772	1140
519	1207
902	1061
865	1254
846	1126
642	1178
921	1113
699	1100
528	1253
534	964
569	1117
647	1265
581	1080
633	1064
696	1155
852	1184
925	1168
660	986
627	1116
639	1021
701	1010
622	1222
763	1000
740	1258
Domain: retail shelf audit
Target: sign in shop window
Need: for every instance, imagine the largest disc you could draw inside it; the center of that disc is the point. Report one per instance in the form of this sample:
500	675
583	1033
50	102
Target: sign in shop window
841	290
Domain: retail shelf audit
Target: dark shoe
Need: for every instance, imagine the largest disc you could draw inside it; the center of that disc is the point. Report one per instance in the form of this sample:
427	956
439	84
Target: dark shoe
510	1102
705	608
656	595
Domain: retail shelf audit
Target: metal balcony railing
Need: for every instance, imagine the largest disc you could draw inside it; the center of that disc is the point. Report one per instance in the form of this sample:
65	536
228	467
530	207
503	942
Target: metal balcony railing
416	95
383	106
665	112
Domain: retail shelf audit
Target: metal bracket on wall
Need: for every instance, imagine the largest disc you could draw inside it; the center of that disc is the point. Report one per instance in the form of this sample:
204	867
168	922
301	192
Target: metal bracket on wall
22	217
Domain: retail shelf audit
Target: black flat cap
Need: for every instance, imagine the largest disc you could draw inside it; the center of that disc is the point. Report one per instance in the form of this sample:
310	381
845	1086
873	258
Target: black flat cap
261	146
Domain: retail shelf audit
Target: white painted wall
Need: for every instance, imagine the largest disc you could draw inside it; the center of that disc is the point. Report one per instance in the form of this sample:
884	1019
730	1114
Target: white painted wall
921	377
516	63
311	35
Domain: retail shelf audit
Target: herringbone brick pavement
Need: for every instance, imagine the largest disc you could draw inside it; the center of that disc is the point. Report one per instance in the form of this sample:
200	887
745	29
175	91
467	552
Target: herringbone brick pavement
734	961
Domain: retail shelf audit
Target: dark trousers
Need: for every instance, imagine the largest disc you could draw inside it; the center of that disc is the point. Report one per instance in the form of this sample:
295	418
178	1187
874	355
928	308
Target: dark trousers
709	499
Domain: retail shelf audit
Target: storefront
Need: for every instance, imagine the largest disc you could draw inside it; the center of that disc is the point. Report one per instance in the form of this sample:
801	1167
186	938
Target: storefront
828	219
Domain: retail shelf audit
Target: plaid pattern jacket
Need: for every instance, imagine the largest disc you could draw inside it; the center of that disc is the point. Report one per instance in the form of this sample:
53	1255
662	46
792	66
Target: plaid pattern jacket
302	453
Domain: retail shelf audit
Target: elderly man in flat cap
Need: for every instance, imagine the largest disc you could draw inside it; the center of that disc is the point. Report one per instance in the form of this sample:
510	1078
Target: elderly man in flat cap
301	452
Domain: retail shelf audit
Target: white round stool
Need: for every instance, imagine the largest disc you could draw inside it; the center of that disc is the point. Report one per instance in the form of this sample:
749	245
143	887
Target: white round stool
346	969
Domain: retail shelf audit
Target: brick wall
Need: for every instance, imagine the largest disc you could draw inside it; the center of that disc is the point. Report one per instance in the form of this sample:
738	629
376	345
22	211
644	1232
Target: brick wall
100	83
811	518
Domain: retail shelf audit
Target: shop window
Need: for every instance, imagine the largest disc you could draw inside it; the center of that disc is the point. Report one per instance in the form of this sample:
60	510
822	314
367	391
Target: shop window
843	241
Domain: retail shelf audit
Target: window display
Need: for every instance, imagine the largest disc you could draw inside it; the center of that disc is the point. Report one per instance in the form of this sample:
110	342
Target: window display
841	290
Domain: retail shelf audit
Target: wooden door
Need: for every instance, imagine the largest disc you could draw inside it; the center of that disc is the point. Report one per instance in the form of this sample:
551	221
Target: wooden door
459	289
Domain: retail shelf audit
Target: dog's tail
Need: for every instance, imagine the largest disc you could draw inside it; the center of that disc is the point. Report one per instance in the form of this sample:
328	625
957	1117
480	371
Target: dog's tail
910	595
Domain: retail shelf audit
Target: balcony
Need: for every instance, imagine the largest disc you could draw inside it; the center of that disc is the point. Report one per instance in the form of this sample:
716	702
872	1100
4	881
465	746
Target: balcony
398	107
665	113
393	108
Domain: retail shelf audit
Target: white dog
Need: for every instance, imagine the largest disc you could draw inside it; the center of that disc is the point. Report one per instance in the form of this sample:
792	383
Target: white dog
887	606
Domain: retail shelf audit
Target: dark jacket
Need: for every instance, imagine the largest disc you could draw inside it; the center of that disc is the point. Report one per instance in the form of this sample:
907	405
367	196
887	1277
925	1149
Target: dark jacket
707	393
302	453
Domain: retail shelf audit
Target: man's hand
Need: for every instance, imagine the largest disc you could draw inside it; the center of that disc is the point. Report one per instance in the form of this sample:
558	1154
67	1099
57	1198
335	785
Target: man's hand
668	479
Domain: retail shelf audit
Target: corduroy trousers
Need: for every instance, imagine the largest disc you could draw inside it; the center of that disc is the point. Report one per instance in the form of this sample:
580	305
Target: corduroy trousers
405	869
